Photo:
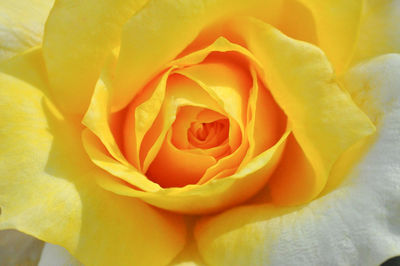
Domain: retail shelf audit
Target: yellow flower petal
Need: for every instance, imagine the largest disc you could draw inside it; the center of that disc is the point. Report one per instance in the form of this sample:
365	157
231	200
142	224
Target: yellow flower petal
298	22
211	196
177	96
173	167
324	119
21	25
379	29
266	121
48	189
360	217
215	195
337	24
148	44
141	115
78	32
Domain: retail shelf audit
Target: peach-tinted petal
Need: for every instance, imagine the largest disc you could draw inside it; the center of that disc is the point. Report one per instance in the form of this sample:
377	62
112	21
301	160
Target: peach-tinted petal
266	121
214	195
176	168
177	95
142	113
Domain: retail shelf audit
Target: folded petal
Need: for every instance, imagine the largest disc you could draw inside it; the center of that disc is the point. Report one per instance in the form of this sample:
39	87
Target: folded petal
214	195
324	118
176	25
48	188
21	25
78	37
356	224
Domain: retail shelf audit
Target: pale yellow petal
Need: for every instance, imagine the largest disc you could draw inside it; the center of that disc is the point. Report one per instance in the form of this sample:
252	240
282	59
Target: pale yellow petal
337	26
48	189
379	29
21	25
78	37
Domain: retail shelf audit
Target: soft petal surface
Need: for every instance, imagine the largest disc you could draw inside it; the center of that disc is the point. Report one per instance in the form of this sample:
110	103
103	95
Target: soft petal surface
324	119
176	26
82	31
48	189
379	29
337	24
21	25
356	224
212	196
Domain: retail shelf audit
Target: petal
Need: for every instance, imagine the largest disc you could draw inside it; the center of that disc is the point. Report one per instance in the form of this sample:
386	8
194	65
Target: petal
356	224
173	167
337	25
379	29
324	118
298	22
141	115
374	85
176	96
176	25
212	196
266	123
78	37
48	188
21	25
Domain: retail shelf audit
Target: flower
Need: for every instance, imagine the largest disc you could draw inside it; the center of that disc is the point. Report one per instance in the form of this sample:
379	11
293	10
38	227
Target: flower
129	130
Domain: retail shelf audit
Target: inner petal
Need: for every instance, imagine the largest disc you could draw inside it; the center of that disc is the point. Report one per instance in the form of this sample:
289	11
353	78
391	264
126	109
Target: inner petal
208	135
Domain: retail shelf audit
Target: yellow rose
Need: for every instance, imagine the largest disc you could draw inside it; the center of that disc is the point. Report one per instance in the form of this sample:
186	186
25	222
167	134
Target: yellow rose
130	128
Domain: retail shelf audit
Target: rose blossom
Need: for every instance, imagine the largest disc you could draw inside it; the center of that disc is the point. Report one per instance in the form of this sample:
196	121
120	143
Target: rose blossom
217	132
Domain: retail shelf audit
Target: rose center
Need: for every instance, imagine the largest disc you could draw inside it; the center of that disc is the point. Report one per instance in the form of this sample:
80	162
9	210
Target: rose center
208	135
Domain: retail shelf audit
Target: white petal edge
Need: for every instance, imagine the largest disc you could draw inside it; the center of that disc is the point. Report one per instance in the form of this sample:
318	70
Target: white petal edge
356	224
54	255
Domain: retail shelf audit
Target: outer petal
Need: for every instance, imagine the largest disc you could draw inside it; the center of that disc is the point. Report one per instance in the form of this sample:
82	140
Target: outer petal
78	37
325	120
357	224
47	188
148	43
21	25
379	29
337	23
